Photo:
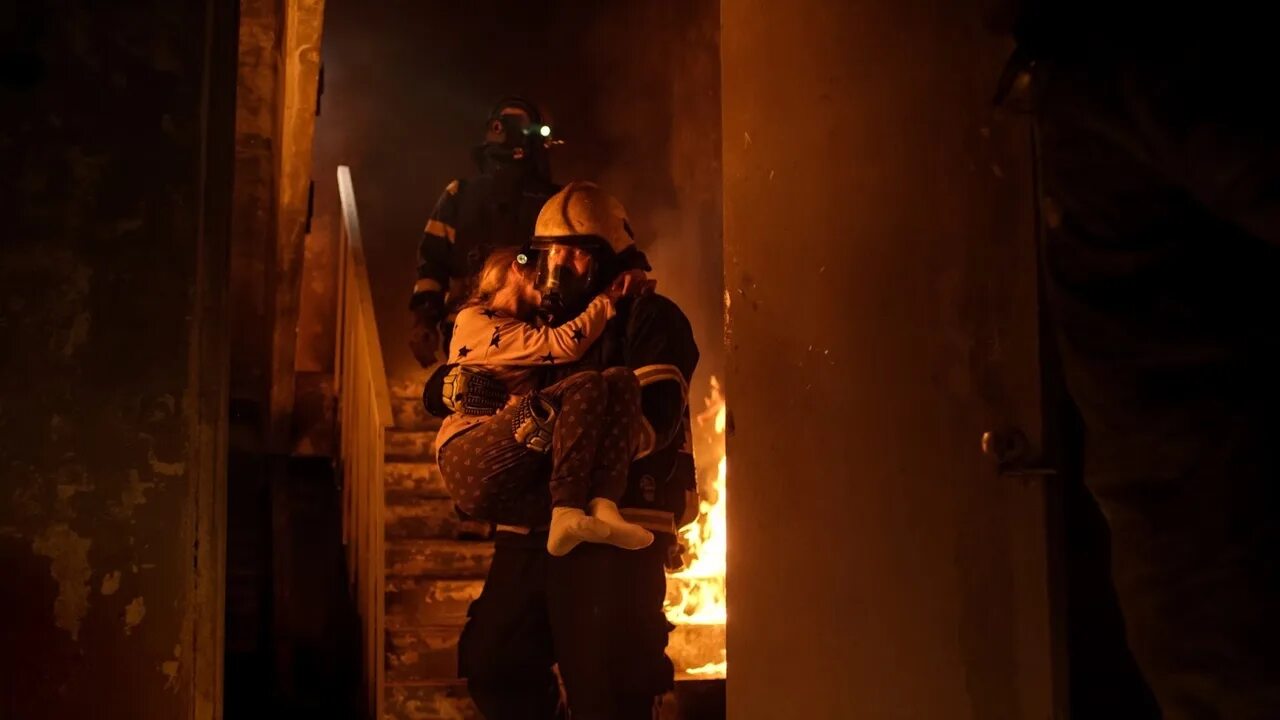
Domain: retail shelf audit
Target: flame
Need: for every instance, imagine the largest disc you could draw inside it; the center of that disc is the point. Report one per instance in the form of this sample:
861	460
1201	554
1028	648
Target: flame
719	669
696	594
702	582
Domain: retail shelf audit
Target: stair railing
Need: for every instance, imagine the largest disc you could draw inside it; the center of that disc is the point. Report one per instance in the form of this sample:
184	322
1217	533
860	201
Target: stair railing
363	416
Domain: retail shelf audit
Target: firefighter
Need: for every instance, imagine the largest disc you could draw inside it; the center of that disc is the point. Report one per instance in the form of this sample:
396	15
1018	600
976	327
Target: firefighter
496	208
1160	164
596	612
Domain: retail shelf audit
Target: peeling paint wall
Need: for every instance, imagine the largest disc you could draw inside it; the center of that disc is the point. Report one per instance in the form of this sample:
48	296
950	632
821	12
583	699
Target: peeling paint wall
278	69
253	218
105	374
300	66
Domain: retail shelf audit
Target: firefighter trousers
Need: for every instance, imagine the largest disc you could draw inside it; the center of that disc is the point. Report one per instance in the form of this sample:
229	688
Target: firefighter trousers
596	612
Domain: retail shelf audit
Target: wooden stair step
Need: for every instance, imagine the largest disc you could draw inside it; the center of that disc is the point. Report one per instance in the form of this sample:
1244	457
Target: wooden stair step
446	559
695	699
421	518
418	602
411	414
404	480
426	653
432	700
449	700
409	385
411	445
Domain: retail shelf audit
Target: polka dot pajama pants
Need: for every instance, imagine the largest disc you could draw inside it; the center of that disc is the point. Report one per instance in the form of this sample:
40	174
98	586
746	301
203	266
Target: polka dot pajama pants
493	477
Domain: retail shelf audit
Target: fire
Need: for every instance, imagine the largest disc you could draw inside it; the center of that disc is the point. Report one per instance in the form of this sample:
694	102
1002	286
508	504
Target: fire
696	594
718	669
702	582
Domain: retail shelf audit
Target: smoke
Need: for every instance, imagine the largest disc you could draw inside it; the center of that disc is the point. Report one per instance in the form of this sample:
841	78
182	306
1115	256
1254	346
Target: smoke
631	86
658	114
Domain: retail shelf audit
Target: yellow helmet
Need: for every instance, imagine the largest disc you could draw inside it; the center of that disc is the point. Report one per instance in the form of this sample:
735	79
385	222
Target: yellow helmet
583	213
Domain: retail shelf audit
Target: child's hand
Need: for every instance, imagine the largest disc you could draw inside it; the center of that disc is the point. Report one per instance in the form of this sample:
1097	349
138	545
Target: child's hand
631	283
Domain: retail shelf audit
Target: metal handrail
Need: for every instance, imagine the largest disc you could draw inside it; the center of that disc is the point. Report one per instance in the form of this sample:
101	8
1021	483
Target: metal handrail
363	416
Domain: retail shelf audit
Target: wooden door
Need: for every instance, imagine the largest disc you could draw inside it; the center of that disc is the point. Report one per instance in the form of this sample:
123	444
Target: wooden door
881	264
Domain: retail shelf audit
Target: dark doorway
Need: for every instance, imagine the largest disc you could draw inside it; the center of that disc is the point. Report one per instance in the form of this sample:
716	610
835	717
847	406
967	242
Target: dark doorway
633	91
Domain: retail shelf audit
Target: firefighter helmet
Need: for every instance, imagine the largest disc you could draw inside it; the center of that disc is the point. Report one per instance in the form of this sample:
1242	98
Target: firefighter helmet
581	241
583	214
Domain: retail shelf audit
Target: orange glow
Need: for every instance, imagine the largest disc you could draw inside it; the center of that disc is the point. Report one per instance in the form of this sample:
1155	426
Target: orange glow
696	594
719	669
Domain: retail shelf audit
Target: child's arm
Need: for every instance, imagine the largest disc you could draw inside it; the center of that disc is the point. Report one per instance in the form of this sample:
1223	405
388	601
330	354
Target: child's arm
481	337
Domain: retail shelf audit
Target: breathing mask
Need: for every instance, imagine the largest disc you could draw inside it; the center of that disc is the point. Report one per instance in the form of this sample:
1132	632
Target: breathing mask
515	134
567	277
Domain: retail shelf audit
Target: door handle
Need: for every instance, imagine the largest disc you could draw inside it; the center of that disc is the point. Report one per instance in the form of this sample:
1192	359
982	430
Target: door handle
1012	454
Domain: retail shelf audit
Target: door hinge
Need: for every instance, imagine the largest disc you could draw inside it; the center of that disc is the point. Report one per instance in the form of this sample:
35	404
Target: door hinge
311	206
319	88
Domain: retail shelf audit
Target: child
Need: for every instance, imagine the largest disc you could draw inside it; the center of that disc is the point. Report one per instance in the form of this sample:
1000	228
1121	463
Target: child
586	422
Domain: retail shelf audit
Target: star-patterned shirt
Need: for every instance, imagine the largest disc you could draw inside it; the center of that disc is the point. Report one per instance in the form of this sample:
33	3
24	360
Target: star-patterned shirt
513	351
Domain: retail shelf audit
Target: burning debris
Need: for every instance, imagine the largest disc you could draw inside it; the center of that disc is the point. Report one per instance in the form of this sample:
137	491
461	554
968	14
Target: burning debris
696	595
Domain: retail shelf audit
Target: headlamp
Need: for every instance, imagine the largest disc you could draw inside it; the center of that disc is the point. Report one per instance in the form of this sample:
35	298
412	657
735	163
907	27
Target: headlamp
538	130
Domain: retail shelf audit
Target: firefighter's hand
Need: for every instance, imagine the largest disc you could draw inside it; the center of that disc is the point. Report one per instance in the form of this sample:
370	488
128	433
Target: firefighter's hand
424	339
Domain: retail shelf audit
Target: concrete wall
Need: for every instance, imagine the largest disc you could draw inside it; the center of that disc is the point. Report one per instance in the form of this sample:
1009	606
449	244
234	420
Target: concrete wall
116	149
880	259
632	88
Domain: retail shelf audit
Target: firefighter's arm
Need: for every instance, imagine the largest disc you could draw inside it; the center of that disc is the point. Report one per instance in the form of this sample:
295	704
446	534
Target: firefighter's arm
663	354
434	256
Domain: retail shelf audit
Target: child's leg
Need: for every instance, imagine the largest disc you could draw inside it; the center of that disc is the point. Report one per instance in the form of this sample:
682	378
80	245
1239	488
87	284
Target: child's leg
494	478
620	423
622	417
591	441
575	441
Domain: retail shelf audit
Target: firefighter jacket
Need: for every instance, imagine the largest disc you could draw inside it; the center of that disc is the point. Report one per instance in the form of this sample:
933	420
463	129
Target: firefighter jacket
471	218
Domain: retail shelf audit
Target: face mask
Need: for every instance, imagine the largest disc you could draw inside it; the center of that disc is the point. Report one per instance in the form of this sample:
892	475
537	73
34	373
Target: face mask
512	139
564	288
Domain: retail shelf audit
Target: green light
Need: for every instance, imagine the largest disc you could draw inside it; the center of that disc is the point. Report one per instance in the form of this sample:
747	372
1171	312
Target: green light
545	130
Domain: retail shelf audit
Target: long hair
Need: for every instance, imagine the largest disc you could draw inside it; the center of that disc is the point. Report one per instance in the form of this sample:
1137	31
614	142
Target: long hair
494	275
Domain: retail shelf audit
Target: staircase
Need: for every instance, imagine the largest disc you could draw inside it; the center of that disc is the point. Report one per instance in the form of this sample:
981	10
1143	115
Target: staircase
413	566
435	567
412	569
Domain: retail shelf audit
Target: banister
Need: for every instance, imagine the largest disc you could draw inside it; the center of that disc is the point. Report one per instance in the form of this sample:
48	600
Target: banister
360	273
364	414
